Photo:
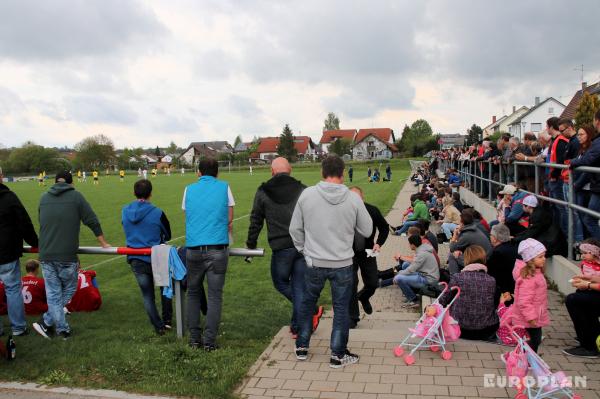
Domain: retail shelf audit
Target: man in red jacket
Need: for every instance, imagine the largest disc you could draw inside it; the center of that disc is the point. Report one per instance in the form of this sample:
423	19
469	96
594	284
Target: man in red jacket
34	289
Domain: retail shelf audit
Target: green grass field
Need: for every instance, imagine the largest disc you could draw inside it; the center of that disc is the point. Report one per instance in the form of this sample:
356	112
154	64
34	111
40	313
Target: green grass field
116	347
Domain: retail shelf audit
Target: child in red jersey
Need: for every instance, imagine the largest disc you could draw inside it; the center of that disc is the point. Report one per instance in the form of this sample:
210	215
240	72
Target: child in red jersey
87	298
590	255
34	289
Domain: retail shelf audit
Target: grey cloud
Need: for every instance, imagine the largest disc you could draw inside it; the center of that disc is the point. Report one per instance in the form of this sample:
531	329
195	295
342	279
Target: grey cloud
215	64
10	102
244	107
172	124
97	109
48	109
54	30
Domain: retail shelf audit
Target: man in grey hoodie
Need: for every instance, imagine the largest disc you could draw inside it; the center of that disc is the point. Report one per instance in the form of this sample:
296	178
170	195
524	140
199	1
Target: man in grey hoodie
421	271
322	228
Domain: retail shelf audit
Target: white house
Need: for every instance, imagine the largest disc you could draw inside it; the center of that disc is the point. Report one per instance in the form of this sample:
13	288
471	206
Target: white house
494	126
374	144
534	120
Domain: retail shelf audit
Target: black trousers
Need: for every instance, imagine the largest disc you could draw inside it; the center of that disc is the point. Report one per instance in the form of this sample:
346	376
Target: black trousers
479	335
584	309
369	274
535	338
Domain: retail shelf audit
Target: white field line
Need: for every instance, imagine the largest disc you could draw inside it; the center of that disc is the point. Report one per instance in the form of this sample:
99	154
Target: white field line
120	256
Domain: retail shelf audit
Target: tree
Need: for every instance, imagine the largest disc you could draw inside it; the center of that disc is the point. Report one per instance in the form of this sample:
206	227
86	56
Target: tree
95	152
584	115
286	147
421	128
237	141
474	134
172	148
33	158
495	136
341	147
157	151
416	139
332	122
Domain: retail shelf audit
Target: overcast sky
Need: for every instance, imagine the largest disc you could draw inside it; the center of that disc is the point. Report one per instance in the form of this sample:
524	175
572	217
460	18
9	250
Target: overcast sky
147	73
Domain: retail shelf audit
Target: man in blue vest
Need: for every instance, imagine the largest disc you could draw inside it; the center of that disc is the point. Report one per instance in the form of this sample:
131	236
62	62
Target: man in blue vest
208	206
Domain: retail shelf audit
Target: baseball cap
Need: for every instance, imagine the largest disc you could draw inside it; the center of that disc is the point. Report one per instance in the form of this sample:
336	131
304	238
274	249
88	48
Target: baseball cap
508	189
65	175
531	201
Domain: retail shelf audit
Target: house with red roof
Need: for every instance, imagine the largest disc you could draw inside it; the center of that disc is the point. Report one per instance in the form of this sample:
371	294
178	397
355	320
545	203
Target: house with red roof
267	148
329	136
374	143
569	111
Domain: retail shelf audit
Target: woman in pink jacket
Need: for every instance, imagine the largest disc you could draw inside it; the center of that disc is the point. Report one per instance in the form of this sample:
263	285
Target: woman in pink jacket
530	309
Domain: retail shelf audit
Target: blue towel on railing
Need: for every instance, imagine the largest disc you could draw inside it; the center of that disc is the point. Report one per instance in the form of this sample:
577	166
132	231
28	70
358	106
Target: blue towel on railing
177	271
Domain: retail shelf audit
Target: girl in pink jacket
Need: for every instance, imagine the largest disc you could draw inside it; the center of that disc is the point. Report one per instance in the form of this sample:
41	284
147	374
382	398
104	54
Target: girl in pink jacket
530	309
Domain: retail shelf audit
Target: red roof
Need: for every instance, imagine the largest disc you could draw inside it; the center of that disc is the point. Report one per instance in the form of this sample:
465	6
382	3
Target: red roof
329	135
270	144
384	134
569	111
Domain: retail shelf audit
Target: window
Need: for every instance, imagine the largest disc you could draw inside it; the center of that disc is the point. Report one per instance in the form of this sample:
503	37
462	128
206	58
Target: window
536	127
551	110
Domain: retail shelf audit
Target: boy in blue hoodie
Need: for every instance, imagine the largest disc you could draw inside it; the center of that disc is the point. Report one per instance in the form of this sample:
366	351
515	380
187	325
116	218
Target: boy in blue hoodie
146	225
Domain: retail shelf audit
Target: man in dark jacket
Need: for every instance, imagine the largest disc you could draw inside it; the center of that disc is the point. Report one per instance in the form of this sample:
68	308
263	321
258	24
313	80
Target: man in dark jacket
61	211
367	264
145	226
542	228
502	260
274	202
15	226
465	235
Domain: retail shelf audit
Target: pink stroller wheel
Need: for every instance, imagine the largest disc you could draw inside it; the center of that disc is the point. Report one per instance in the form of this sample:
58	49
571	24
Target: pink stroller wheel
409	360
434	348
446	355
398	351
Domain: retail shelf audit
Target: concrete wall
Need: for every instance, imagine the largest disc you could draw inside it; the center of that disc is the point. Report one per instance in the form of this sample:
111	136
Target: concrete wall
558	269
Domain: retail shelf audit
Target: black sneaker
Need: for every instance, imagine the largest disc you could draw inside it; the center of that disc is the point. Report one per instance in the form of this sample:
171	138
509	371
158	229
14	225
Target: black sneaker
210	347
65	335
195	344
301	353
336	362
21	333
366	306
161	331
41	328
581	352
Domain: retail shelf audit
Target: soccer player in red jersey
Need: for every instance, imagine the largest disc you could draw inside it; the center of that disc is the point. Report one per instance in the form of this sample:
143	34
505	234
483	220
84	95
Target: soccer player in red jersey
87	298
34	289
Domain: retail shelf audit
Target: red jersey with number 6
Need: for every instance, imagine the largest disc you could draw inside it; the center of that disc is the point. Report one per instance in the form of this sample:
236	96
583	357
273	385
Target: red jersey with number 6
34	295
87	298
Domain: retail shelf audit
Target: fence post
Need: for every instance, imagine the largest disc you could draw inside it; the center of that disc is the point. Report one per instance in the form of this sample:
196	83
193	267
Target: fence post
537	178
516	173
179	309
490	166
570	217
500	167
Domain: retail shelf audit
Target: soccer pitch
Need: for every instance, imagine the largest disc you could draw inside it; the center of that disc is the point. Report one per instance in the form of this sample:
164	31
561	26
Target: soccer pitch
116	347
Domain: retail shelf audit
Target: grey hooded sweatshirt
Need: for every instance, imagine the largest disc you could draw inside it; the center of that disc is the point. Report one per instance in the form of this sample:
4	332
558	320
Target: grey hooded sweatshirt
425	264
324	222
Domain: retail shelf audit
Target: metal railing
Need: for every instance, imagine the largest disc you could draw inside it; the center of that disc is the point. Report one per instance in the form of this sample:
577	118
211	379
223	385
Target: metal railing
179	306
473	172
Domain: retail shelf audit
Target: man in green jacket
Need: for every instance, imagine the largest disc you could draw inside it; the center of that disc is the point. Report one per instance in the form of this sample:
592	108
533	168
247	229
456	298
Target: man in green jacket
420	211
61	211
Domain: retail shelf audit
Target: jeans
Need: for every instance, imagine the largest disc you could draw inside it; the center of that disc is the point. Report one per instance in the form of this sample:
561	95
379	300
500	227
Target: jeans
10	275
143	274
560	212
368	272
61	284
407	282
448	228
577	227
213	265
340	280
591	223
288	268
404	228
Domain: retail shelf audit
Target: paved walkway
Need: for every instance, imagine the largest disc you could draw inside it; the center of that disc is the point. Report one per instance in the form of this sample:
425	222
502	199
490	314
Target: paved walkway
380	375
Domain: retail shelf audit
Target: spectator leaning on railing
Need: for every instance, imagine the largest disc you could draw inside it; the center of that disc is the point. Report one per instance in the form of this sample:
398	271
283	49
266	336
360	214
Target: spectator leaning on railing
581	180
592	158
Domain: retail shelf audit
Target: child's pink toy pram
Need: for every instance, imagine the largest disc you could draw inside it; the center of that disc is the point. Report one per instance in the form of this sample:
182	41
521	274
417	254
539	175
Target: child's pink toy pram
433	331
547	384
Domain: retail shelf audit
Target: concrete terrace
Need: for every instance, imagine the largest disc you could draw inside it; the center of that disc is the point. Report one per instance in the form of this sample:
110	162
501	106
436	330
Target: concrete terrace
380	375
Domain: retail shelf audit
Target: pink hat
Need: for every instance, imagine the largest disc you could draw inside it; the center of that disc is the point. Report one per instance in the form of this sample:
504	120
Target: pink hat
530	248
